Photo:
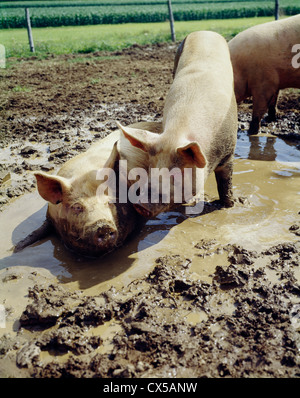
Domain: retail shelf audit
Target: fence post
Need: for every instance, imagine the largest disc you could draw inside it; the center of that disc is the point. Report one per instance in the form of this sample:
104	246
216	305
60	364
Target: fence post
276	9
171	21
31	45
2	56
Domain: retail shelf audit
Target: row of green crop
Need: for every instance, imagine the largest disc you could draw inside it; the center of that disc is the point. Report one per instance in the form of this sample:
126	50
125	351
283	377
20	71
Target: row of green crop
66	16
72	3
93	3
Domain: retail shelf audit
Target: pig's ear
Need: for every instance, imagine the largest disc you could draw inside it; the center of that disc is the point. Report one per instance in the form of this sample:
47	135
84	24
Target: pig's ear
138	138
51	188
192	154
113	157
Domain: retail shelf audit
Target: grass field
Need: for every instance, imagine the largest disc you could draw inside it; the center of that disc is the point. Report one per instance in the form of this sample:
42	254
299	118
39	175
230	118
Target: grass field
85	39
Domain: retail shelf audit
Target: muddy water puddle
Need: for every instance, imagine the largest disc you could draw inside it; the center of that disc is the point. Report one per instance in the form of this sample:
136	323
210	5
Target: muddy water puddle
266	175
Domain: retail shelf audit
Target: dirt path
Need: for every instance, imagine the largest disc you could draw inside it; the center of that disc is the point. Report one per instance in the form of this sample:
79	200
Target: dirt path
241	321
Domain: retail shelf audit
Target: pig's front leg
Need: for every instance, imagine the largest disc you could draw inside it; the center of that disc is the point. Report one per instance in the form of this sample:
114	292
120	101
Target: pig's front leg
223	175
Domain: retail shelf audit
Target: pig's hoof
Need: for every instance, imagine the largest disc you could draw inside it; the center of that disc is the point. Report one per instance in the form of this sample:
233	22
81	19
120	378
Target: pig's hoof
252	132
270	118
228	203
253	129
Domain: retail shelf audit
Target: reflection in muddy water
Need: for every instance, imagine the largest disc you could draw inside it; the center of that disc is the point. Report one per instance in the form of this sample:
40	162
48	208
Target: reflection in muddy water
266	148
266	173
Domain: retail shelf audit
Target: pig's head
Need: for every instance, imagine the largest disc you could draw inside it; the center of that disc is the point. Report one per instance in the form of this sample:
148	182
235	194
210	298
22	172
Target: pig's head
169	157
87	222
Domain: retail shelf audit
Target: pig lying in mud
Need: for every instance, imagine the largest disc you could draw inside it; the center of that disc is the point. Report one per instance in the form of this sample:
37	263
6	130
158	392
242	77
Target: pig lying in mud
88	224
262	60
199	120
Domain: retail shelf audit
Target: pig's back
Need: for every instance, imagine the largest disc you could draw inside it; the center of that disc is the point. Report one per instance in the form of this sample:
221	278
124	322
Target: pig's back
205	52
98	153
203	85
92	159
266	49
268	39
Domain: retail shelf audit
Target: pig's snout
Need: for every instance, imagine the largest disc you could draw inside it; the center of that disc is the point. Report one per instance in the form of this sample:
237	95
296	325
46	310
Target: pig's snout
105	236
96	240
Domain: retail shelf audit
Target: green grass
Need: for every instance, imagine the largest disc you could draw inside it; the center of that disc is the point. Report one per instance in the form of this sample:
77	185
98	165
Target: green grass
21	89
86	39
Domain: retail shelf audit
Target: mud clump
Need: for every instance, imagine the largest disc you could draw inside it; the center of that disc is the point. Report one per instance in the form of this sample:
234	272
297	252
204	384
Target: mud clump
295	228
48	305
171	325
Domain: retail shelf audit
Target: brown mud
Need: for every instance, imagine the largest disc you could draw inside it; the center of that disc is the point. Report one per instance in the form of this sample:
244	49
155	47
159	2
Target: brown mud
211	296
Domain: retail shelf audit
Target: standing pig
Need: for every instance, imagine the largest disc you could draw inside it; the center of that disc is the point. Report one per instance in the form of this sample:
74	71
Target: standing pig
262	65
199	120
88	224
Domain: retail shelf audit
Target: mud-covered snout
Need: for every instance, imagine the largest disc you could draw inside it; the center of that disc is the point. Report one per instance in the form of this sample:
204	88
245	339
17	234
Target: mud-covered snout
105	236
94	240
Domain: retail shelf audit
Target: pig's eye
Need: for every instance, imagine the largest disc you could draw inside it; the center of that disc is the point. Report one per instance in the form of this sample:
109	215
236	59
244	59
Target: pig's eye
77	208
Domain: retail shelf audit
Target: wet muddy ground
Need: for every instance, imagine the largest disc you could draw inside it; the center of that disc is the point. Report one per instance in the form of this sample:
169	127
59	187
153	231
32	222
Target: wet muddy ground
217	295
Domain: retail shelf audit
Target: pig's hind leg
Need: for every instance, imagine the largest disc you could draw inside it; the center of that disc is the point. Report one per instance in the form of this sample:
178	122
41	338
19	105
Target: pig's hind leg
223	174
272	109
264	99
